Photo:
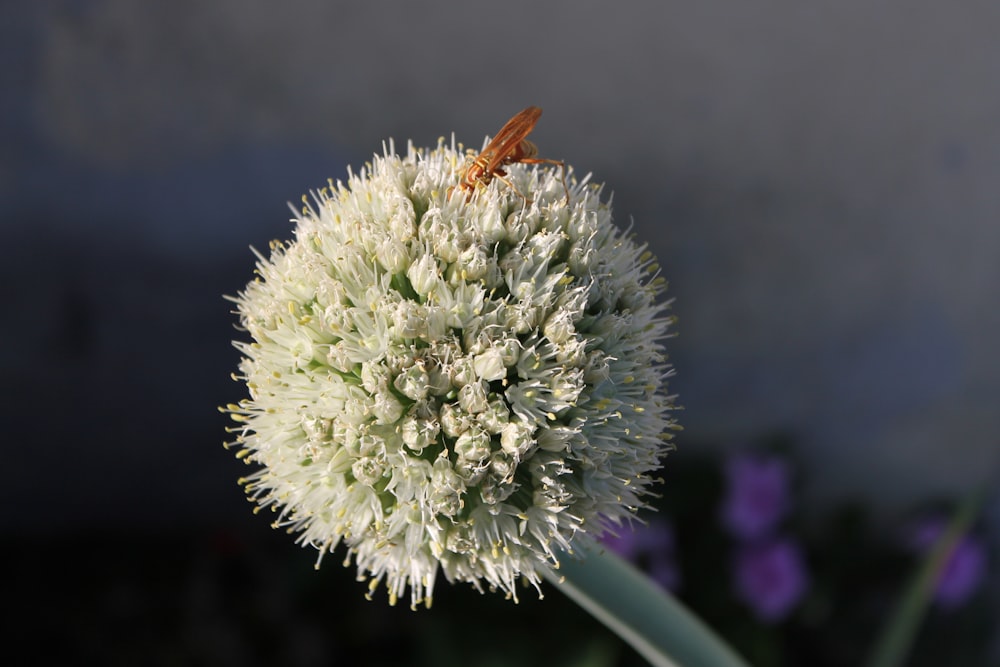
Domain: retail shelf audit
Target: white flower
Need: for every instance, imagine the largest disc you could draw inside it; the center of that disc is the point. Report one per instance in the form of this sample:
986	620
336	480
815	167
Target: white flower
454	386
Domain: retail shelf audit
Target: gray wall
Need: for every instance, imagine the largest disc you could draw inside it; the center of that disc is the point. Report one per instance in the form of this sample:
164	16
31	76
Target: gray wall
819	180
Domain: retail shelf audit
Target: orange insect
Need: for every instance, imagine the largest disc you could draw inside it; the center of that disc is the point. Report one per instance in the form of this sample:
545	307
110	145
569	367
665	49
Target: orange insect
507	147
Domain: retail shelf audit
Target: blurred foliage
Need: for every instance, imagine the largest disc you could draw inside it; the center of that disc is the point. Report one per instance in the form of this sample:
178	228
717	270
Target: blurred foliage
245	595
858	566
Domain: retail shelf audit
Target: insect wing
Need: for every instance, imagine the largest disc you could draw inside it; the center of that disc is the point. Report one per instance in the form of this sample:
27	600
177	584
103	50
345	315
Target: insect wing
509	138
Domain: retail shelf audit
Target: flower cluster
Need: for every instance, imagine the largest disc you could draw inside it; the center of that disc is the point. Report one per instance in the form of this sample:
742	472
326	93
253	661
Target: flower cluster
769	570
964	568
451	384
757	497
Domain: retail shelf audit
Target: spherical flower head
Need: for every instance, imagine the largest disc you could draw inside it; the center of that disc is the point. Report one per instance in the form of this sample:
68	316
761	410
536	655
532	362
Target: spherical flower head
771	577
448	383
757	495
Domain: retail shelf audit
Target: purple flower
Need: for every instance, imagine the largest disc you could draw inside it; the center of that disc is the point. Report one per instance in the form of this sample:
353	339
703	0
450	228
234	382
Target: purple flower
771	578
650	546
625	543
964	569
757	495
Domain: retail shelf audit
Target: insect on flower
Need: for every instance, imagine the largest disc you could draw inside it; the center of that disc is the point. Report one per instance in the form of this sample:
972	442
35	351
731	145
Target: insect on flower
510	145
442	398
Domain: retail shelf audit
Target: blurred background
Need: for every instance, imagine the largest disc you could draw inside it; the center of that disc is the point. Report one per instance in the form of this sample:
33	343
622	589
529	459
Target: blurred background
819	181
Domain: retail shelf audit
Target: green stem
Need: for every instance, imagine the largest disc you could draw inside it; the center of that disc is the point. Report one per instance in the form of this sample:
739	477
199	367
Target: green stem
645	616
897	637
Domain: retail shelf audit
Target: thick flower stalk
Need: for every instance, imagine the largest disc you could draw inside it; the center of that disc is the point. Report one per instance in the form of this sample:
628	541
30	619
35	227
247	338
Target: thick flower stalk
463	385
